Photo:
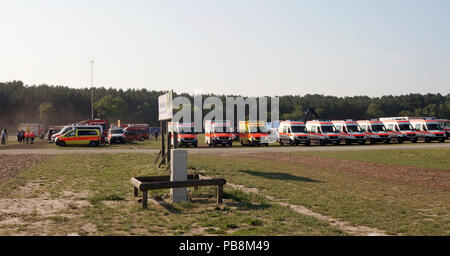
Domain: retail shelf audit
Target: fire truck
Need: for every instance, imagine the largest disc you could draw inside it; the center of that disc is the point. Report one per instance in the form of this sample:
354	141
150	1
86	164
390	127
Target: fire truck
186	135
218	132
375	131
293	133
400	129
323	132
428	129
350	131
253	133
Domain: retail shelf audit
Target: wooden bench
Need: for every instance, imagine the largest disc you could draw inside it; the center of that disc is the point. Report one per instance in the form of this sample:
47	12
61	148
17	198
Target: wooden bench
145	184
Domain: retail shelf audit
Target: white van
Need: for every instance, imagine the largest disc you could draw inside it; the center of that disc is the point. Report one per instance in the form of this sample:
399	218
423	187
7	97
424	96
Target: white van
293	133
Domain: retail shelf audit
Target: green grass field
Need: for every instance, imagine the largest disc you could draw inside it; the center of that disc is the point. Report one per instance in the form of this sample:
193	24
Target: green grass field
92	195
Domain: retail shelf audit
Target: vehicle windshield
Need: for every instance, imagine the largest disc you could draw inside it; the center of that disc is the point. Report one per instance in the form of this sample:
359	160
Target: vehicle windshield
328	128
405	127
66	130
116	131
222	129
434	127
378	128
186	130
298	129
257	129
353	128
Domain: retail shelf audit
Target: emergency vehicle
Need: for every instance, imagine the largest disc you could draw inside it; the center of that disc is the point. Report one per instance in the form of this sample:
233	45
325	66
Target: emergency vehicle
375	131
428	130
218	132
400	129
293	133
78	137
116	135
186	135
350	132
323	132
445	124
55	137
253	133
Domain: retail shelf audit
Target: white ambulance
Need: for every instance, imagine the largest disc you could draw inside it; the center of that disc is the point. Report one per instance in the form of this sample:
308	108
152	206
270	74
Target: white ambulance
293	133
186	135
400	129
323	132
445	124
218	132
375	131
428	130
350	132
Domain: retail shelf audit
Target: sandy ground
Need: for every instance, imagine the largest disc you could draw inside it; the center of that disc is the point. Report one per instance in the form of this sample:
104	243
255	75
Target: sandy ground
10	165
20	149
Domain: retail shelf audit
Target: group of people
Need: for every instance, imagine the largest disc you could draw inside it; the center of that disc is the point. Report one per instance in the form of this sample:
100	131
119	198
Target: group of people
25	136
4	136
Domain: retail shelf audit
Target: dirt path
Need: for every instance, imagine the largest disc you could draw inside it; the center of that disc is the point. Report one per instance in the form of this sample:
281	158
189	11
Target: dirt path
224	151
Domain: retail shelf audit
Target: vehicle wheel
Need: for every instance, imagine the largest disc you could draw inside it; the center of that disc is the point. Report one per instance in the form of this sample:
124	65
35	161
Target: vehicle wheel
321	143
399	140
230	144
93	144
427	140
441	140
372	141
308	143
62	143
195	145
291	143
266	144
347	142
281	143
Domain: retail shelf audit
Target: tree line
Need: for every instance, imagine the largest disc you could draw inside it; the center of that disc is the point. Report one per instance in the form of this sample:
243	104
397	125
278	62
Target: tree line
59	105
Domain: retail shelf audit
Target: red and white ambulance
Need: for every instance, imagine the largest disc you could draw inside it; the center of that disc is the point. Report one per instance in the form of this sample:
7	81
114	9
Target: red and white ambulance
293	133
428	129
445	124
350	132
400	129
323	132
186	135
218	132
375	131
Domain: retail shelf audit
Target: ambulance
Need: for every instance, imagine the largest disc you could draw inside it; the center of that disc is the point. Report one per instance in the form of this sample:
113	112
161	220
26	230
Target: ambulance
293	133
218	132
375	131
428	130
186	135
79	137
350	132
323	132
400	129
253	133
445	124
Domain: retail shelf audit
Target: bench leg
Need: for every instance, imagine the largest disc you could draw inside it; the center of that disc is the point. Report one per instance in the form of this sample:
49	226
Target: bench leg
144	199
219	194
135	192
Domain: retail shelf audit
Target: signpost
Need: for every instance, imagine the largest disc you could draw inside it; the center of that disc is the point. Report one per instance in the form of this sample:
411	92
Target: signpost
165	107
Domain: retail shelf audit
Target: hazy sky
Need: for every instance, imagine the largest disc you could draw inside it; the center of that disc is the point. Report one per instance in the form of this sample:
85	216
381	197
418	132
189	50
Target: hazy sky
251	48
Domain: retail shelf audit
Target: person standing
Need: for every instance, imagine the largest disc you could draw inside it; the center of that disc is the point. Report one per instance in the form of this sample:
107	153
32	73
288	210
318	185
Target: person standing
31	135
156	135
22	136
26	136
4	134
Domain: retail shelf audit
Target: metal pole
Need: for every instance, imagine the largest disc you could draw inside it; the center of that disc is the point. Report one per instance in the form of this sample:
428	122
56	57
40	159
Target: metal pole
92	89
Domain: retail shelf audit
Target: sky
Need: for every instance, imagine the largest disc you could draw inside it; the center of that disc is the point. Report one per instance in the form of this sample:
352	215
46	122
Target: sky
239	47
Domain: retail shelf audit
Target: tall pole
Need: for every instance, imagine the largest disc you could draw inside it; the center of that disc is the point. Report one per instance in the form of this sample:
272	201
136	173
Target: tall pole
92	88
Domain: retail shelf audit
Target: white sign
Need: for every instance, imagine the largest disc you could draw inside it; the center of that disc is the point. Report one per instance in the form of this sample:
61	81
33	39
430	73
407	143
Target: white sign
165	106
